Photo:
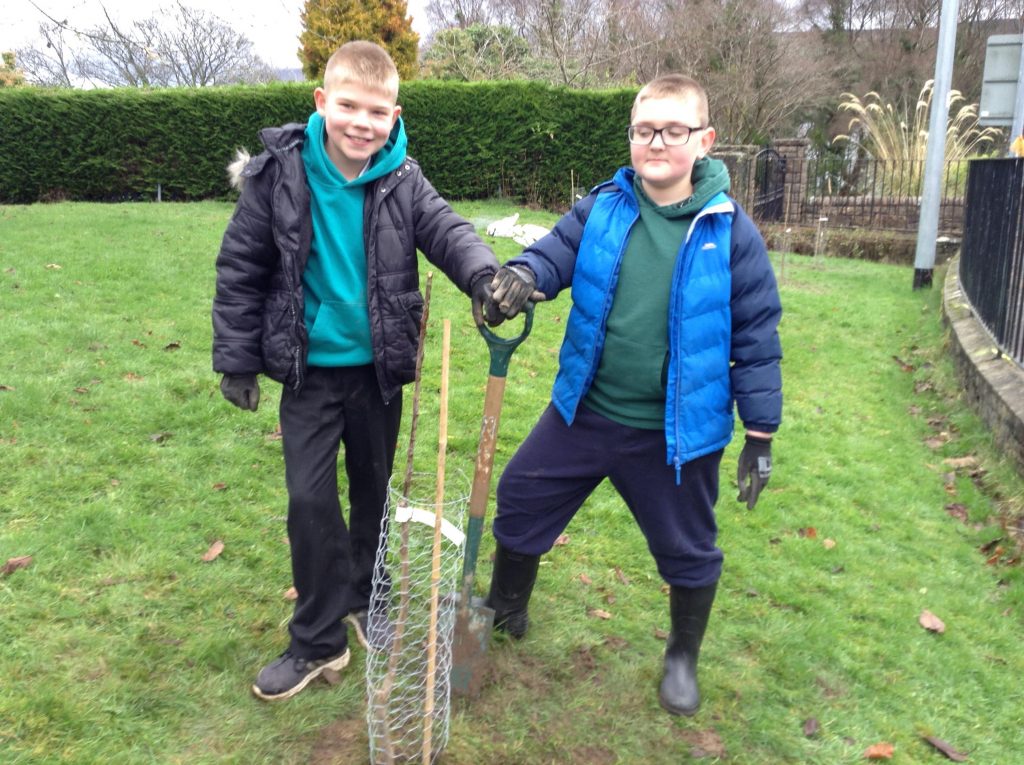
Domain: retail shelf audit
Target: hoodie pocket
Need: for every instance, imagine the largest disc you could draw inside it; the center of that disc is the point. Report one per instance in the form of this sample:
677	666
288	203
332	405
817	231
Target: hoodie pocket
340	335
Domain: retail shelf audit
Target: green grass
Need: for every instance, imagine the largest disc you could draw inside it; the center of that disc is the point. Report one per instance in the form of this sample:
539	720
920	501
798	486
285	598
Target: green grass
121	464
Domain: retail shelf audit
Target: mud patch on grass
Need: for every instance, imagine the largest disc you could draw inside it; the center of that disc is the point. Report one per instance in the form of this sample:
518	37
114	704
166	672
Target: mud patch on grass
344	742
591	755
704	743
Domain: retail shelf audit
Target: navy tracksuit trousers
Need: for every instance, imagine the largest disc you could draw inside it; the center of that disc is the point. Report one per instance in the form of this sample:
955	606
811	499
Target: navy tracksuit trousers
558	466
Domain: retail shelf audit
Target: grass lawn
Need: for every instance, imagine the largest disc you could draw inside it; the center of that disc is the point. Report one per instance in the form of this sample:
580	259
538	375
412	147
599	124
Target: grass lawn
121	465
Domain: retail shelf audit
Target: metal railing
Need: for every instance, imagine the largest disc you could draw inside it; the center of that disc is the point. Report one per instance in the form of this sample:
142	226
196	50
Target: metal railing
992	251
864	192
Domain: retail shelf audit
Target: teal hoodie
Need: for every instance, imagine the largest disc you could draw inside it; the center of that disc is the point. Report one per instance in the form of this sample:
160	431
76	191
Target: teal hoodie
334	281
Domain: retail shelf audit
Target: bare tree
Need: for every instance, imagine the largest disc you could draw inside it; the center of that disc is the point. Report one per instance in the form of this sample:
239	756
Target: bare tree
182	45
53	62
120	55
461	14
762	75
197	49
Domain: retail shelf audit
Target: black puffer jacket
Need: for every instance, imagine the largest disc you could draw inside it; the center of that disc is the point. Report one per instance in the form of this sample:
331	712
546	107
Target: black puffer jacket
258	324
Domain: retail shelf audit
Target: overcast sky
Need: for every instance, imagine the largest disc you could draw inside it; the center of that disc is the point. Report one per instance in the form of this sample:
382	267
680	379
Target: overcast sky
272	25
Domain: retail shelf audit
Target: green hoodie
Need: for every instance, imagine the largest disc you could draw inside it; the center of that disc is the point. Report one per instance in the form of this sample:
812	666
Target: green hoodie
629	386
334	281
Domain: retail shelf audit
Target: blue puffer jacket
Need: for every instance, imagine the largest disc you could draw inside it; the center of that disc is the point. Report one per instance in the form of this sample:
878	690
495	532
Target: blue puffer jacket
724	312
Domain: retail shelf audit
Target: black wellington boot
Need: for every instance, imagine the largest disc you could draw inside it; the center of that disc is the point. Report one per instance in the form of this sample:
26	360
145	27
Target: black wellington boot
690	609
511	585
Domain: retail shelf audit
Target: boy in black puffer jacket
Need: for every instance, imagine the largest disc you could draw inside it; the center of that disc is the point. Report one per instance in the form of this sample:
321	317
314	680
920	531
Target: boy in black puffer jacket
317	288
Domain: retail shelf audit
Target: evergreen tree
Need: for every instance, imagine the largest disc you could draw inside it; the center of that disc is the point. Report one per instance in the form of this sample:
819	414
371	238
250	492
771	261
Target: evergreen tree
329	24
10	75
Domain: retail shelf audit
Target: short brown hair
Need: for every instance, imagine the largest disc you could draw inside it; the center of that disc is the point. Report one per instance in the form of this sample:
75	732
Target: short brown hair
674	86
365	63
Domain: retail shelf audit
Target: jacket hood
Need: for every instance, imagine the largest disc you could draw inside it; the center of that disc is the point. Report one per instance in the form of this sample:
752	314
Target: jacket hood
275	139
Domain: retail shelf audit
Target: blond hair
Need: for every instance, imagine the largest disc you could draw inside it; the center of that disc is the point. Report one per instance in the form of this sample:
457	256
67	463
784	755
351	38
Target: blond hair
674	86
364	63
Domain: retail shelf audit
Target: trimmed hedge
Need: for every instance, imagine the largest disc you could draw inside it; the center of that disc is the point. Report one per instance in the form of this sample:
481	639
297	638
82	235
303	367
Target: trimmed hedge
524	140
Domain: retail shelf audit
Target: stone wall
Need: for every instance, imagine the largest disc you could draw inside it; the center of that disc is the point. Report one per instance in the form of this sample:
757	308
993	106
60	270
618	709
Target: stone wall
993	384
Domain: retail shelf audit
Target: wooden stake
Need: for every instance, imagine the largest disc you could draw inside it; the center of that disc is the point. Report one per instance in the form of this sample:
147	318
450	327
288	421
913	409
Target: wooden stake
435	574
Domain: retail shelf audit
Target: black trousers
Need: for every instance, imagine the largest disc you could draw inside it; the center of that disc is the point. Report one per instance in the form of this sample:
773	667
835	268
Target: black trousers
332	564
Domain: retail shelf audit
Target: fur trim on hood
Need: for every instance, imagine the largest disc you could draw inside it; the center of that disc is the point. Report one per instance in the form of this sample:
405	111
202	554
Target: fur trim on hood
235	176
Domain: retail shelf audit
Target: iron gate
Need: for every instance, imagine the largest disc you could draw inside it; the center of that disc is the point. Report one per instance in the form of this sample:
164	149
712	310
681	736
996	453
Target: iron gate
769	185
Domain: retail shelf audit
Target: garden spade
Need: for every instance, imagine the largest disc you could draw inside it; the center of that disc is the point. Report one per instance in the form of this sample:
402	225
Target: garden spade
474	620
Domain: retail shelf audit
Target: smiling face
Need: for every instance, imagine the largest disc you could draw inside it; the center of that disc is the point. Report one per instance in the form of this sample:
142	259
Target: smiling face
665	170
358	121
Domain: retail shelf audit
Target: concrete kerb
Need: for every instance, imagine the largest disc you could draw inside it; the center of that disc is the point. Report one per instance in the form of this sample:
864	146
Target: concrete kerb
993	384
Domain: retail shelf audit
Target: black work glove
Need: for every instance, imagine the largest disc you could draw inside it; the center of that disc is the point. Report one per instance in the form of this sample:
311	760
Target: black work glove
241	390
753	469
484	309
513	287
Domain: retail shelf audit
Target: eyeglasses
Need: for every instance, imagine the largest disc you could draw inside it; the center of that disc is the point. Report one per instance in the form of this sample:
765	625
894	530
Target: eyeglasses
671	135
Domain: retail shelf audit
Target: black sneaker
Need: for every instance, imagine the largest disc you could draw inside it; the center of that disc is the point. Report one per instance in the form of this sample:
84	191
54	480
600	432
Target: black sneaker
374	632
288	674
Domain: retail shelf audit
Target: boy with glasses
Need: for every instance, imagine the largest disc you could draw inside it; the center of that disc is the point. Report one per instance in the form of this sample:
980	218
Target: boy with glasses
674	317
317	287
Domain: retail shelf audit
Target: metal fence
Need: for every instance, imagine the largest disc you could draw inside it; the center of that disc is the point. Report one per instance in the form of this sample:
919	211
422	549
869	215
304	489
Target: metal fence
992	250
855	193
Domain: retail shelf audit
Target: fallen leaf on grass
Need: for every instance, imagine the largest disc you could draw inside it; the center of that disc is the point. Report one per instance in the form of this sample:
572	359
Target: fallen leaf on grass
931	622
946	749
159	438
809	533
621	576
220	486
586	580
988	547
829	543
660	634
291	594
172	346
332	676
598	613
563	539
903	365
53	266
961	462
935	442
13	564
811	727
215	550
132	377
275	434
7	387
957	510
883	750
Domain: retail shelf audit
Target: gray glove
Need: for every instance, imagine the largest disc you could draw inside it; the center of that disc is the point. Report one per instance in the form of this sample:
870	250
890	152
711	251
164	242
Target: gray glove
241	390
513	287
753	469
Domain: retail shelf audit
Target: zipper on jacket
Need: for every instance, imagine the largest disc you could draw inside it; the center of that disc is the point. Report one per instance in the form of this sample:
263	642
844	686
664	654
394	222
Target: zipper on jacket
722	207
